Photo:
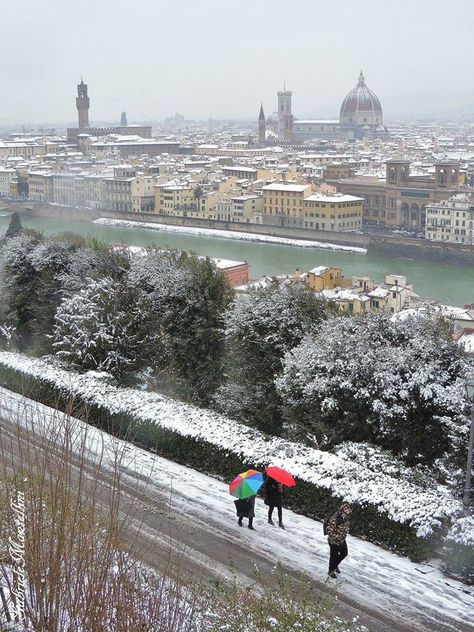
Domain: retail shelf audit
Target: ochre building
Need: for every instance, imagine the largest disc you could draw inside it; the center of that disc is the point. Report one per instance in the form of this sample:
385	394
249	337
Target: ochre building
400	200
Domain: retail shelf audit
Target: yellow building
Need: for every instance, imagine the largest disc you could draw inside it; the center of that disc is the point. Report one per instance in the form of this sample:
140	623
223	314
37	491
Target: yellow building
143	194
348	300
400	199
333	212
174	199
284	200
325	278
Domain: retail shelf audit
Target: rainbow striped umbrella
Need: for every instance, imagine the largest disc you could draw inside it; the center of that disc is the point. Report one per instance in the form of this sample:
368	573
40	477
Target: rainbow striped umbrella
246	484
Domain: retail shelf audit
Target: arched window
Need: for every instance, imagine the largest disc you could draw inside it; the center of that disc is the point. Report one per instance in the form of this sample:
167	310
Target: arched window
454	177
442	176
392	174
403	174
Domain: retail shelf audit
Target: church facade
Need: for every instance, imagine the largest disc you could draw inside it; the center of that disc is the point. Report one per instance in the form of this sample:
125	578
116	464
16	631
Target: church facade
360	117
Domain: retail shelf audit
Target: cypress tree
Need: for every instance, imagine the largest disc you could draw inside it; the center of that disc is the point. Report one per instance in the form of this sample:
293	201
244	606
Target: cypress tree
14	227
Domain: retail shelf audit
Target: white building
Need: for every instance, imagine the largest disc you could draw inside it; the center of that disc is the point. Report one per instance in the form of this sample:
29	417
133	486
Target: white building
392	296
7	175
451	220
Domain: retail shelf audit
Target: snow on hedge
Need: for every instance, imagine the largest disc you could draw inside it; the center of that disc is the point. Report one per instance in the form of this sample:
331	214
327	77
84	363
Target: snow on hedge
359	480
462	531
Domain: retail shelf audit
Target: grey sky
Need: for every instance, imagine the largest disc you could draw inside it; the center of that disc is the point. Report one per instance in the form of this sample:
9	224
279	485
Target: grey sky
218	58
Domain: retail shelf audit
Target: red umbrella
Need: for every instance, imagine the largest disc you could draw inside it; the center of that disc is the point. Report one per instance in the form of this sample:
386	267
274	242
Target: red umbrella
280	475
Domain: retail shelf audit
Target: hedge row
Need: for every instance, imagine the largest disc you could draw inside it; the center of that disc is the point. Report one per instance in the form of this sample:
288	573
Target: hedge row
306	498
458	561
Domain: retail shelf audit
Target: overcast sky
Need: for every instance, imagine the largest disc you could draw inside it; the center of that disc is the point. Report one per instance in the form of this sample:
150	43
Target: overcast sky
220	58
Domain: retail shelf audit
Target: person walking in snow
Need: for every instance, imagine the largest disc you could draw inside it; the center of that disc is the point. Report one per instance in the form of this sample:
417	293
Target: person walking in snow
337	531
274	498
245	509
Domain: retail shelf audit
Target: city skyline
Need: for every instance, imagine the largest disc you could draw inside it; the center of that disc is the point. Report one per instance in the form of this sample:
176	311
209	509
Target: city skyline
210	62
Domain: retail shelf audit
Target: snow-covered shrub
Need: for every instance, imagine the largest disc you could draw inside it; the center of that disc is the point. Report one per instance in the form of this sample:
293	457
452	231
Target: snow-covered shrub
106	326
458	550
260	327
398	383
7	333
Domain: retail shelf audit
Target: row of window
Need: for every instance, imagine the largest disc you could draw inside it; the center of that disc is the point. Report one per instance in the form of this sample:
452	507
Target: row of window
339	215
326	205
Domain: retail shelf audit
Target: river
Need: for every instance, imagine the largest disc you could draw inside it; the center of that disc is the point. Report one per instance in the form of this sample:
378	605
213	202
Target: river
449	284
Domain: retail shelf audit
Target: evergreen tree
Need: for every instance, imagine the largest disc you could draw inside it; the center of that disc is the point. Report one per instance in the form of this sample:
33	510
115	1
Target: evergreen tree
50	259
190	297
93	260
18	287
14	227
261	327
109	326
396	382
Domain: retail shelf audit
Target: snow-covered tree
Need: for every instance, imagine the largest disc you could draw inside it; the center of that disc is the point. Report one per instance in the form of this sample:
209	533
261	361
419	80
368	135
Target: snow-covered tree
190	297
397	382
108	326
50	259
260	328
17	287
14	227
93	260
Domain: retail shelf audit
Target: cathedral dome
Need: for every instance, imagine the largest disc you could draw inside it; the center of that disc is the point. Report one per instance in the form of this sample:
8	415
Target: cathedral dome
361	106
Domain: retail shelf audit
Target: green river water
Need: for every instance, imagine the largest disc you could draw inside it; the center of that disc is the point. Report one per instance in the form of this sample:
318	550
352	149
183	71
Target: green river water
450	284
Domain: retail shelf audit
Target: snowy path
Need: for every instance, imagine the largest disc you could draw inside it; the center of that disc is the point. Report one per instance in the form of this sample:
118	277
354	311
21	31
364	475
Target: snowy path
375	578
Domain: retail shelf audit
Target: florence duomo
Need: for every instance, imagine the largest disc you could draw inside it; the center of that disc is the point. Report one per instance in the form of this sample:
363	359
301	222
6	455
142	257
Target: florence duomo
237	316
360	117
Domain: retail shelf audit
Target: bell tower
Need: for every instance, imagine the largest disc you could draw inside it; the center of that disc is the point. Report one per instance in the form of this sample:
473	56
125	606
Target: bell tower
397	172
261	126
82	105
285	117
447	174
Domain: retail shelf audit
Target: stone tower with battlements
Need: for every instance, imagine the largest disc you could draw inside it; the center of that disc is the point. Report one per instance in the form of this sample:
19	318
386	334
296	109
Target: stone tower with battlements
82	105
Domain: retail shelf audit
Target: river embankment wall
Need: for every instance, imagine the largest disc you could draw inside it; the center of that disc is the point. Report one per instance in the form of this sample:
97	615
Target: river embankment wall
398	247
422	250
60	212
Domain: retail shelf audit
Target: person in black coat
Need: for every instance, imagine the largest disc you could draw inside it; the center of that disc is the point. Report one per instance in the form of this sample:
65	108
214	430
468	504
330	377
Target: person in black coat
245	509
274	498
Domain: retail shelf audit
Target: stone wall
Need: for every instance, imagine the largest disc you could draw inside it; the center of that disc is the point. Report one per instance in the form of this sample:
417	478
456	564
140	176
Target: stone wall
422	250
346	239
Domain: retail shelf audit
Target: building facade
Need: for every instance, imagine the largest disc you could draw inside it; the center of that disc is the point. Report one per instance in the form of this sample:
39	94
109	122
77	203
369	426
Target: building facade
451	220
7	176
400	200
333	212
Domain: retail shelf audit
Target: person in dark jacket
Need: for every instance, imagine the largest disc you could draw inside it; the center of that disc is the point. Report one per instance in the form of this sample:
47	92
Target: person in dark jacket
245	509
337	531
274	498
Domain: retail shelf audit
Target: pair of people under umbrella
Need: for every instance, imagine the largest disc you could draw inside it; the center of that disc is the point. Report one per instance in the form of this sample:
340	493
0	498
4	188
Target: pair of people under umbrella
273	499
